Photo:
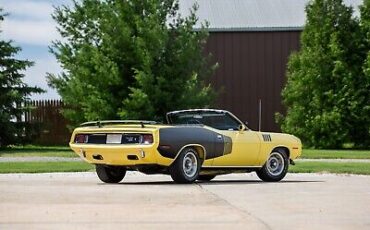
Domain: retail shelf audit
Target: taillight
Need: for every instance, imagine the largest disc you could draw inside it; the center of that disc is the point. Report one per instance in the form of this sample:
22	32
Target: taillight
147	139
81	138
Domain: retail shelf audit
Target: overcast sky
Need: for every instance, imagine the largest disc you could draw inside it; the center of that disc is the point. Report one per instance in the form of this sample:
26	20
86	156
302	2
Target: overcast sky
30	26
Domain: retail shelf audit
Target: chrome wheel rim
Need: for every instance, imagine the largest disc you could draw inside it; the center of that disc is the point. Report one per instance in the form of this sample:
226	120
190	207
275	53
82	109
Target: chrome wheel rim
190	164
275	164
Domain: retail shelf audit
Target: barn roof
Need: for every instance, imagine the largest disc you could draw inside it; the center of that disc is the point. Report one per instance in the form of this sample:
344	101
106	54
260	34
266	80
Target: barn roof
253	15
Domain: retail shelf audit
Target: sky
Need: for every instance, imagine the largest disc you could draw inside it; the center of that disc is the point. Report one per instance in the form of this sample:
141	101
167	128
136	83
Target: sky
30	26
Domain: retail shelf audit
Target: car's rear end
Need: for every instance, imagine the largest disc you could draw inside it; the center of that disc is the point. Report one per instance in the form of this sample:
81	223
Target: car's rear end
120	144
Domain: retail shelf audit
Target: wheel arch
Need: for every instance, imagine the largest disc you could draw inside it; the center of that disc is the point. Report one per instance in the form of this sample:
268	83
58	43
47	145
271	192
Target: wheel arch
201	151
284	148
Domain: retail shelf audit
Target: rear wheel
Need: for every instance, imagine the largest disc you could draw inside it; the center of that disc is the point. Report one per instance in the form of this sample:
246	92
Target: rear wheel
186	167
110	174
206	177
275	168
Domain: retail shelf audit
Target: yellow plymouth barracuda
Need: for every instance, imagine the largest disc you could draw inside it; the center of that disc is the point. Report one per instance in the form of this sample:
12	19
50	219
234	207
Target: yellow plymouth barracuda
196	144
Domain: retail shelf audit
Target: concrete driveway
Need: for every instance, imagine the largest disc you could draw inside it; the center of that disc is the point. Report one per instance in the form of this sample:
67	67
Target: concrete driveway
237	201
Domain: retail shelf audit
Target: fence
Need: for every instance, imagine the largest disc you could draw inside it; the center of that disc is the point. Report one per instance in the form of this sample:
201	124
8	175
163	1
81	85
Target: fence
51	125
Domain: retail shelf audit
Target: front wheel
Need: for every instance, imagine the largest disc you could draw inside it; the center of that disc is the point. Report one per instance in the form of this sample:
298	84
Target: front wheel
186	167
275	168
110	174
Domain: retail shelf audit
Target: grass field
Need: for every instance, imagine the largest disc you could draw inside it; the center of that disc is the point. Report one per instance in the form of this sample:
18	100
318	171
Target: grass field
37	151
43	167
331	167
300	167
335	154
65	151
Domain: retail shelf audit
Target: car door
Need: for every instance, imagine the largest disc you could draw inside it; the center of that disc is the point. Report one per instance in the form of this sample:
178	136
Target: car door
245	149
245	143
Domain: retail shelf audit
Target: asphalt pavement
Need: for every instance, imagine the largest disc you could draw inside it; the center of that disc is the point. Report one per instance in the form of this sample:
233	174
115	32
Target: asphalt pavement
236	201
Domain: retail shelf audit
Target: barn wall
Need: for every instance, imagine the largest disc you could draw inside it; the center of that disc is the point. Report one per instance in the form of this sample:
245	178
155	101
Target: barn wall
252	66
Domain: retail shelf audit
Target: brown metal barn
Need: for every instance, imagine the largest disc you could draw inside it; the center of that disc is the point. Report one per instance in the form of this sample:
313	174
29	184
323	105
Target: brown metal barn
252	40
252	66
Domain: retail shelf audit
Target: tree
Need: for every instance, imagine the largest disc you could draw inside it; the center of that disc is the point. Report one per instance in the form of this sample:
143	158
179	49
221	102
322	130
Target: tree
325	94
14	92
364	136
129	59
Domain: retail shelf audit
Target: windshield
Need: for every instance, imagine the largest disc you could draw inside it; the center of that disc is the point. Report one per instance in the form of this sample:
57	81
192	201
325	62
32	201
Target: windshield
214	119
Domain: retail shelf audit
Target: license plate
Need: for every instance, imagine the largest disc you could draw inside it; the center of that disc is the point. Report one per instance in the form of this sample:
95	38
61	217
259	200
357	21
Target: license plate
114	138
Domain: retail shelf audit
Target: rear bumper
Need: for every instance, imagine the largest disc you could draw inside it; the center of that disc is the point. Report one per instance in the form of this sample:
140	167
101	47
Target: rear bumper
123	155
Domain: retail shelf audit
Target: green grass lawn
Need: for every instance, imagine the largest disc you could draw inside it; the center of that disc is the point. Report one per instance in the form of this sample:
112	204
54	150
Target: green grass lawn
335	154
331	167
43	167
37	151
65	151
300	167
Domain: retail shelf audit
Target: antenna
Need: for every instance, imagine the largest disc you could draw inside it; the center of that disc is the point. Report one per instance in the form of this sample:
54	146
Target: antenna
259	114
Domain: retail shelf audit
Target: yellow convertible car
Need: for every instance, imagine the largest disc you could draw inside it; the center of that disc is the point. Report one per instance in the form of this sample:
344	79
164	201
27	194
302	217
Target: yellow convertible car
196	144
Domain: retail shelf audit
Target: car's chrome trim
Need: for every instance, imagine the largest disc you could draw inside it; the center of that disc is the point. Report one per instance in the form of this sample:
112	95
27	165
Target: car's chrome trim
206	110
194	110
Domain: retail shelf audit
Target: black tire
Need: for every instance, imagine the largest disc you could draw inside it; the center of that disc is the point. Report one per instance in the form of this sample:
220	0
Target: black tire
206	177
110	174
275	168
186	167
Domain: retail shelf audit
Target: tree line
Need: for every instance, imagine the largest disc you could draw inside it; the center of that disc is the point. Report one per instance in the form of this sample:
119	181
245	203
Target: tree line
327	94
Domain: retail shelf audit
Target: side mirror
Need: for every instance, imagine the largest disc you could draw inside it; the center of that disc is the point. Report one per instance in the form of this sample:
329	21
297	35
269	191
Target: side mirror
246	125
241	127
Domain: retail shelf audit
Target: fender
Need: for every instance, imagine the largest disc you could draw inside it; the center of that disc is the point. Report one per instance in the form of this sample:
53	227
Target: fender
173	139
